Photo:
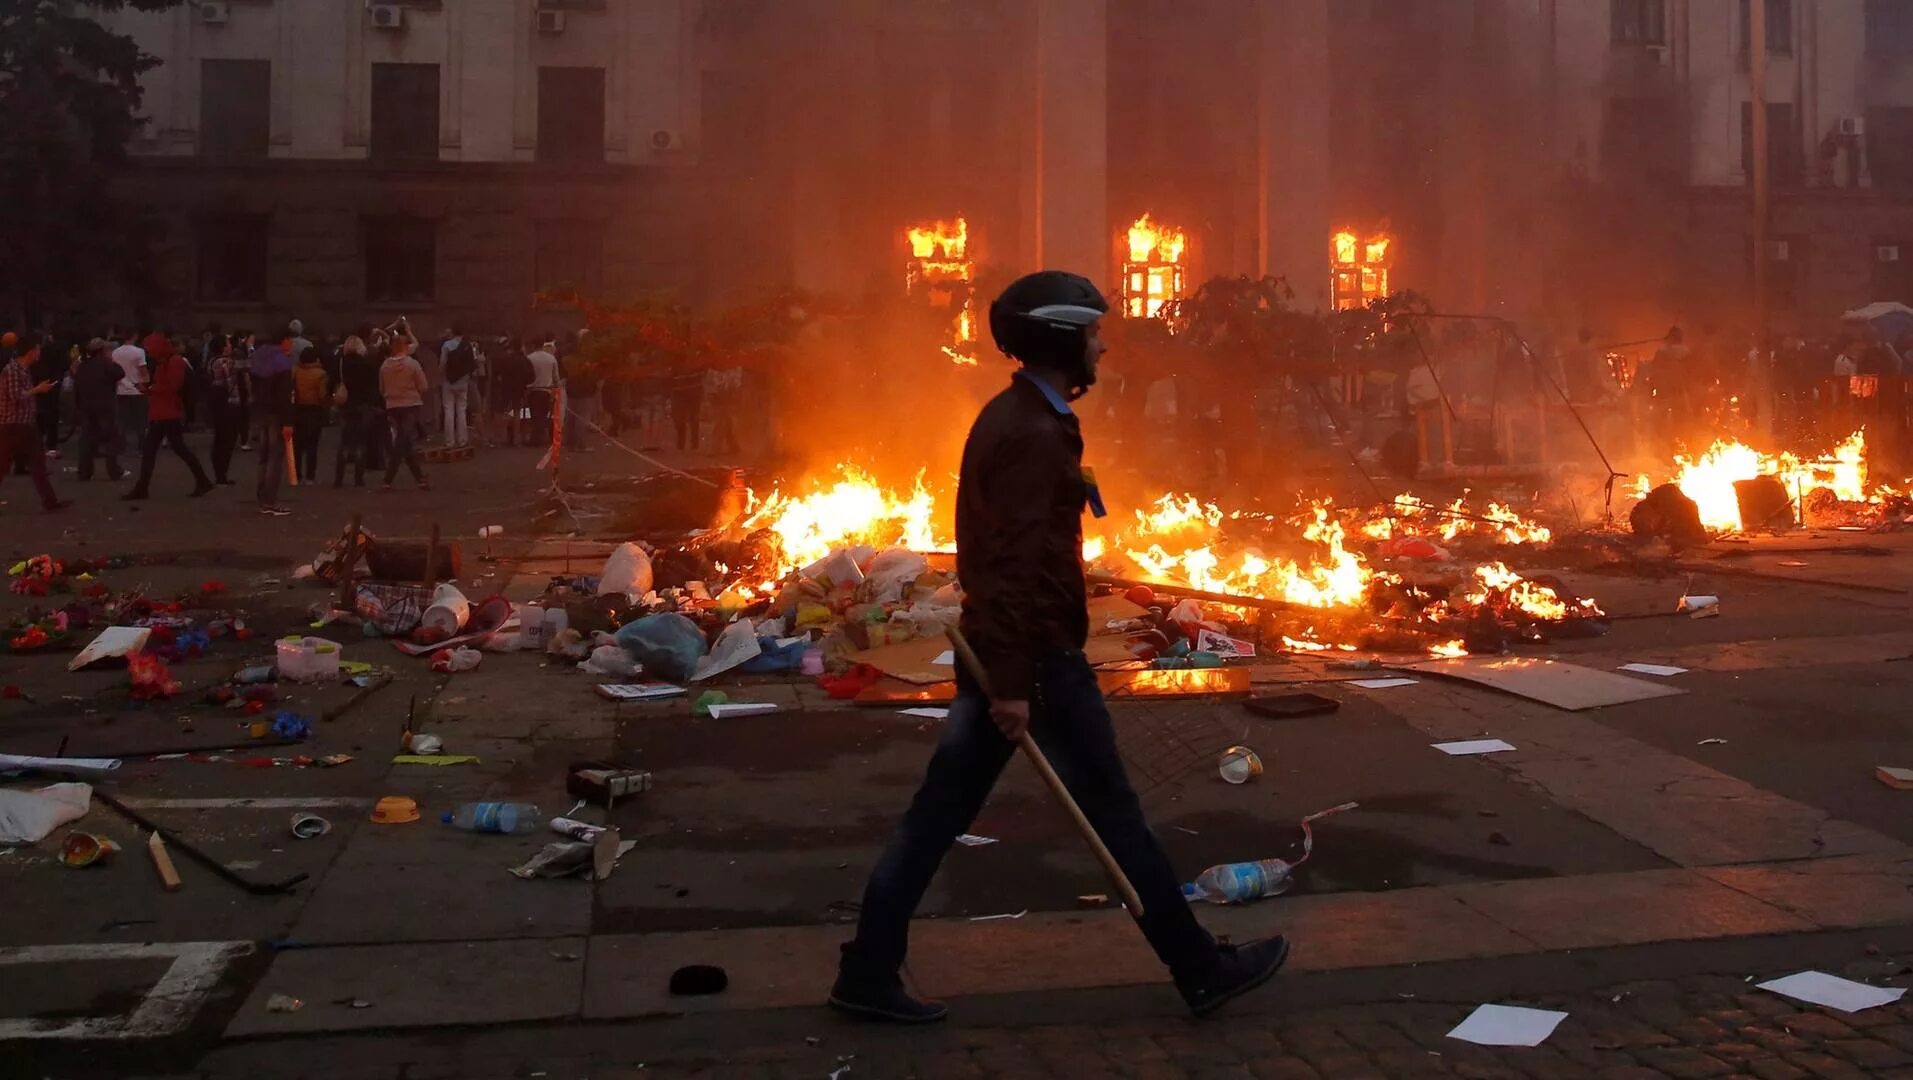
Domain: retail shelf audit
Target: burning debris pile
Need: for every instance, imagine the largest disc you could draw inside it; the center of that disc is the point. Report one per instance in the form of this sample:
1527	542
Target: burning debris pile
1735	488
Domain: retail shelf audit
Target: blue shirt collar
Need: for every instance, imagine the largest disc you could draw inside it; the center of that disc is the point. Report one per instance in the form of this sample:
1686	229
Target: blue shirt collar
1056	400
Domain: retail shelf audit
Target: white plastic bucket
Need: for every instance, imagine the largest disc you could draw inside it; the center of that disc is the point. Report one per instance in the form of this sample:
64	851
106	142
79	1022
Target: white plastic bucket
307	659
449	611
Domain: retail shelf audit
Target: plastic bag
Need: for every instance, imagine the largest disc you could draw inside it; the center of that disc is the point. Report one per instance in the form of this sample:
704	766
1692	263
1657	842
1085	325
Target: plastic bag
610	660
26	817
627	571
454	660
889	574
773	658
667	644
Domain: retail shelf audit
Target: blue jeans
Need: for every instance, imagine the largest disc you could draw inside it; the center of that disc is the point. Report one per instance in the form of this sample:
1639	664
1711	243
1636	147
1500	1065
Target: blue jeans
1071	723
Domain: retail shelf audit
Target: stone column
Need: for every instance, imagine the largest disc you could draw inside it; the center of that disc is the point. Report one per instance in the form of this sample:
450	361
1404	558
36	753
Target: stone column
1068	186
1293	153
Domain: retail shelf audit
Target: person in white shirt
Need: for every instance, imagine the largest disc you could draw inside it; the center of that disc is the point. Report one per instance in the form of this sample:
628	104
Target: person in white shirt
131	400
544	384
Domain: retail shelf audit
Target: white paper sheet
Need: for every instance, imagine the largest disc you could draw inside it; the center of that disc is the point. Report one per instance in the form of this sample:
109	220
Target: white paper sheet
110	642
735	645
1473	746
926	713
638	691
1819	988
947	658
1507	1025
742	708
1380	684
10	762
973	840
1662	670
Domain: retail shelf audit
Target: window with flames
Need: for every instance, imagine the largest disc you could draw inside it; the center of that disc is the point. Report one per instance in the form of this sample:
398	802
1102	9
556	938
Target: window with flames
1361	270
1153	272
941	272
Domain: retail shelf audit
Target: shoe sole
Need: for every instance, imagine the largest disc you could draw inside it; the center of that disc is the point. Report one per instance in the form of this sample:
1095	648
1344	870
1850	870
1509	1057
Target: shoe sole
869	1013
1211	1006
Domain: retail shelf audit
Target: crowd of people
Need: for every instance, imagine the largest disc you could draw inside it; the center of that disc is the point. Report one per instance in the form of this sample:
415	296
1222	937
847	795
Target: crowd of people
121	398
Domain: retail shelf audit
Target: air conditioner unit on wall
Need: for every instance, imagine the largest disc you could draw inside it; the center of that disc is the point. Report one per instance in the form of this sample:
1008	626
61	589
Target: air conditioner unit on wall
662	139
550	21
387	16
1886	253
214	12
1853	126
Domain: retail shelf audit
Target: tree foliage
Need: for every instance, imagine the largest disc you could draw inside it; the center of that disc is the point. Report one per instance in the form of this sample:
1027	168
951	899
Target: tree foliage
70	95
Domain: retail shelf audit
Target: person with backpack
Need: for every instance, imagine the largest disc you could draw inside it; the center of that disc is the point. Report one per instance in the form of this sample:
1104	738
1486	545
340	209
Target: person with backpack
458	358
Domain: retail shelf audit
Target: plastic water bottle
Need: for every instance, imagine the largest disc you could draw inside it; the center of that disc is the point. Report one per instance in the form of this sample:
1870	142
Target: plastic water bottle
497	817
1234	883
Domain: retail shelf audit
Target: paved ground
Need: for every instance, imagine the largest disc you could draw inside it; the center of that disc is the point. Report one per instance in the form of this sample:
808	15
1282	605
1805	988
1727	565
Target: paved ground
1618	853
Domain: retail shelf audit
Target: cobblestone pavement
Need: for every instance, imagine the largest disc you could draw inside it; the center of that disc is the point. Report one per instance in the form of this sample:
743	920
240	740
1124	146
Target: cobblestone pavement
1690	1028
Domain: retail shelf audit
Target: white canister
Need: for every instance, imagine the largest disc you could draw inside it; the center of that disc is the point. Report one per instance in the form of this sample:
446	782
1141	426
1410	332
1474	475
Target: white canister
531	626
449	610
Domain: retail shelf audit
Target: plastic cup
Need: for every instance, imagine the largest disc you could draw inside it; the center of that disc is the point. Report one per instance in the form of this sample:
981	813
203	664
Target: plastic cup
1240	765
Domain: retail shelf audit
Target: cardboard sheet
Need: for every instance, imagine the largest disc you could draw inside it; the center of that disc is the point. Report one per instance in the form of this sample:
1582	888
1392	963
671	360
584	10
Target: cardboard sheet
1105	609
913	661
1551	682
1116	685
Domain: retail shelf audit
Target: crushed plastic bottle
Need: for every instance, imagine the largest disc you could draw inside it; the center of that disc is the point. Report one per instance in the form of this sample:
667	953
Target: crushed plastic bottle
1235	883
496	817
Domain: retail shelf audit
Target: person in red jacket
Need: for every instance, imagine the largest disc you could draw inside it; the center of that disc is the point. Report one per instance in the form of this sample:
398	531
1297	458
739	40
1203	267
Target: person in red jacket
166	422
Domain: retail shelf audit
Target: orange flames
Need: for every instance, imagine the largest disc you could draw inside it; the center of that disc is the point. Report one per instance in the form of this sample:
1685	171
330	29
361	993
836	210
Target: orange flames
941	269
855	509
1360	274
1412	516
1709	479
1153	274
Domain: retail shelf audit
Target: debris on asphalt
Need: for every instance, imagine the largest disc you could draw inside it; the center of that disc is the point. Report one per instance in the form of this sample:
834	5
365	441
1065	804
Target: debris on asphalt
1700	607
1507	1025
435	759
85	849
721	710
162	862
1819	988
1473	746
1663	670
284	1003
114	642
638	691
462	658
27	817
1005	915
1894	777
973	840
1381	684
1499	839
605	782
1092	900
926	713
1240	765
395	810
1714	741
1235	883
309	826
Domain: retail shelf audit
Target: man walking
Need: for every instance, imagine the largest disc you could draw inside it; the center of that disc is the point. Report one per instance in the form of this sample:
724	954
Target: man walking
131	392
1020	498
95	384
270	375
19	441
166	423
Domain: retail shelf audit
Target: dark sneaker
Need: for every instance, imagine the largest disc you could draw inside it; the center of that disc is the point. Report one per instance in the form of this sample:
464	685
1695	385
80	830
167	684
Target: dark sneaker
1239	969
887	1001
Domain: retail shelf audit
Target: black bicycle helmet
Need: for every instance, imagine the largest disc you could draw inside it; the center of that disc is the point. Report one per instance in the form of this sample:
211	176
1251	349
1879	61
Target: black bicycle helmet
1041	319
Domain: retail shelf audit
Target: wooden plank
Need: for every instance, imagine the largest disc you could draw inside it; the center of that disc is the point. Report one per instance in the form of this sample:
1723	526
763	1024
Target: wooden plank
163	862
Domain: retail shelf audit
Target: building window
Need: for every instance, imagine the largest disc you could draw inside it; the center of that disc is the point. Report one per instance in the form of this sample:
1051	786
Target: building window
401	259
405	112
235	108
1893	269
230	256
570	254
1889	25
570	114
1889	146
1638	22
1779	29
1785	165
1639	141
1786	261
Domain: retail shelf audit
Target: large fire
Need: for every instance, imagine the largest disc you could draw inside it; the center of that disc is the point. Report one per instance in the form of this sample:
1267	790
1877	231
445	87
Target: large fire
1709	479
942	270
1179	539
1411	516
1360	274
1153	273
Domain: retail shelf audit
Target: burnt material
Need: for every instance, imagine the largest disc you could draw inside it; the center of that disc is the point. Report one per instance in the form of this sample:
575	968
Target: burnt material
1669	515
1764	503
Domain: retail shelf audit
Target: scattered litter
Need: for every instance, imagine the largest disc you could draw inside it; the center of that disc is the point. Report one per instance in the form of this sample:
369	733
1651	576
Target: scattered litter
1716	741
309	826
946	658
26	817
1092	900
163	862
353	1003
567	858
1507	1025
395	810
1819	988
1699	607
307	659
1235	883
1473	746
462	658
926	712
419	742
1792	562
1381	684
1005	915
1662	670
1223	645
84	849
284	1003
1895	777
734	646
973	840
114	641
1240	764
604	783
290	725
638	691
610	660
1572	687
699	979
702	707
435	759
742	708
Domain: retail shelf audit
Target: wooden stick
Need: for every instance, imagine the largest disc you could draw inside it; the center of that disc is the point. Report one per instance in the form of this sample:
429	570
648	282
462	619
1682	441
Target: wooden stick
163	862
1055	783
348	595
1194	594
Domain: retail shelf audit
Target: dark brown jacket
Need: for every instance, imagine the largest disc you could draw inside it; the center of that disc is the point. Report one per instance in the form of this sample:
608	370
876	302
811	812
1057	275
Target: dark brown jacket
1019	526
